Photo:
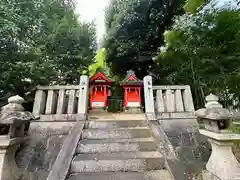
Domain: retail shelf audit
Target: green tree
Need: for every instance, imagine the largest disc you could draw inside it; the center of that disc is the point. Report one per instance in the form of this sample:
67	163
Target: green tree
72	45
42	42
202	50
99	64
135	31
192	6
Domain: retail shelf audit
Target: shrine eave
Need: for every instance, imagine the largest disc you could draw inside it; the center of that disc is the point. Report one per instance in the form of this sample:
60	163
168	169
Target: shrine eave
131	83
100	83
100	78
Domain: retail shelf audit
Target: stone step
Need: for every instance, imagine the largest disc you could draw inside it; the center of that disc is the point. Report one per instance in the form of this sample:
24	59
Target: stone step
116	124
105	145
137	132
148	175
122	161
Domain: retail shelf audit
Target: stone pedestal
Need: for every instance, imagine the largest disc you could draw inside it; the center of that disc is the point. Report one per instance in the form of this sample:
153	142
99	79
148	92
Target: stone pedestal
222	164
14	120
8	167
222	161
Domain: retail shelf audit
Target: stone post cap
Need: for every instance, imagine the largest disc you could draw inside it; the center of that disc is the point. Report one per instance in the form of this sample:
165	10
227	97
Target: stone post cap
214	110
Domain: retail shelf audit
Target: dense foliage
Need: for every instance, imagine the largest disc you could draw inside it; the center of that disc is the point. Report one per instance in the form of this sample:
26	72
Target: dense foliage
41	42
134	32
202	50
100	63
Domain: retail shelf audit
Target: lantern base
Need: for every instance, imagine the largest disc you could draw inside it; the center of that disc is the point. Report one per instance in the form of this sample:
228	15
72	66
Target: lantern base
222	163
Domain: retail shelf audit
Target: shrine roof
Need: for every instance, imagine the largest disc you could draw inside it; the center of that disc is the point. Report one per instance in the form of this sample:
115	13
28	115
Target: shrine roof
131	79
100	77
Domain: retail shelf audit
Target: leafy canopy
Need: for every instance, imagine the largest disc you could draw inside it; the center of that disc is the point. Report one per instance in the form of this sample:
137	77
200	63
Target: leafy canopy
134	31
41	42
202	50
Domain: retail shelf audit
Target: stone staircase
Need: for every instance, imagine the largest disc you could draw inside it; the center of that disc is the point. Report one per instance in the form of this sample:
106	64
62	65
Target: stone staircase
118	150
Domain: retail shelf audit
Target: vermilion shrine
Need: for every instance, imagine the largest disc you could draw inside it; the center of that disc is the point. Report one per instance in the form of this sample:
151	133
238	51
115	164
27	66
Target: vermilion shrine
132	90
99	90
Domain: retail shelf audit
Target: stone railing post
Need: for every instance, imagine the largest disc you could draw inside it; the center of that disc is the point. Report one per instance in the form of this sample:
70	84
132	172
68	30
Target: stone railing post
13	121
83	95
149	99
215	121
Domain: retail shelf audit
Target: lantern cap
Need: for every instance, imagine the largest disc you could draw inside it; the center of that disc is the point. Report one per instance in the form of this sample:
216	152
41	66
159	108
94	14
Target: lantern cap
214	110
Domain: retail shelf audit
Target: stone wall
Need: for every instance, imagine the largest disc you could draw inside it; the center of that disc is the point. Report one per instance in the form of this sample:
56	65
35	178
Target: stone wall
38	154
192	149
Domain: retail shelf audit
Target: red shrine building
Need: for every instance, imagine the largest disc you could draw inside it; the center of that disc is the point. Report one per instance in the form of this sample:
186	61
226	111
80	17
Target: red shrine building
132	90
99	90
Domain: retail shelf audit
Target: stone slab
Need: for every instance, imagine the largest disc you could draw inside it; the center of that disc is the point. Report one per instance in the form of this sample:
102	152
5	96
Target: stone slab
57	87
149	175
71	102
176	168
63	117
179	125
38	154
51	102
5	142
102	116
138	132
61	166
179	101
134	110
98	104
162	87
118	156
61	102
136	162
39	102
192	149
103	146
133	104
116	124
176	115
122	140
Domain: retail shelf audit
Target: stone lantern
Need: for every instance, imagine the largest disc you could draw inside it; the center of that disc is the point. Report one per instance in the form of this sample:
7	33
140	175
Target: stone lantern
215	121
13	126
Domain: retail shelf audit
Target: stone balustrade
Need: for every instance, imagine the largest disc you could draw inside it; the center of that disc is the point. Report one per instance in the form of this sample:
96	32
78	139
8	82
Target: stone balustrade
172	99
169	102
14	126
61	102
170	110
215	121
56	100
